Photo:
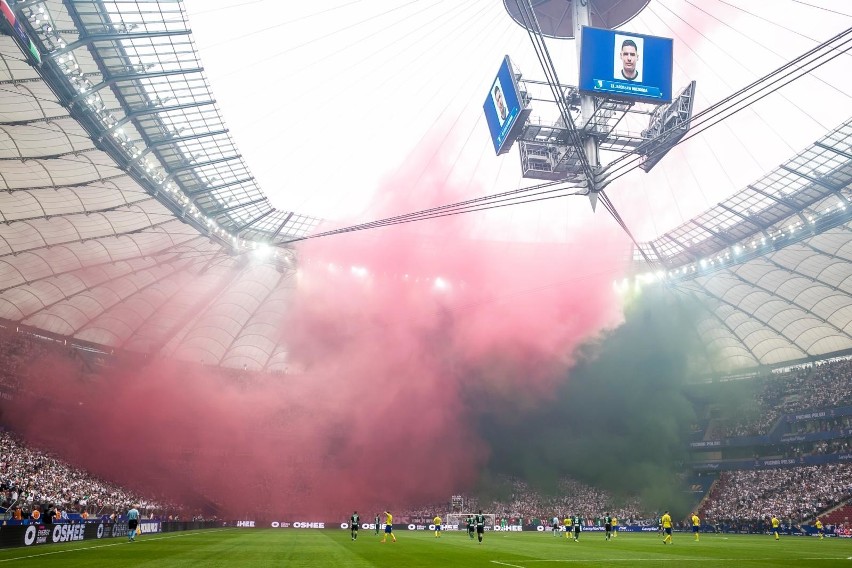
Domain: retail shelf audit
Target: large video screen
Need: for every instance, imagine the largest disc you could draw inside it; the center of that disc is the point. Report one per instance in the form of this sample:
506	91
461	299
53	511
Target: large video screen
626	65
502	106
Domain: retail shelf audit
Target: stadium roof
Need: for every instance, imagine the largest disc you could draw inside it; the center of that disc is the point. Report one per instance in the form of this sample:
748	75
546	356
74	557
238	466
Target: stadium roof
122	183
804	195
126	87
769	268
783	305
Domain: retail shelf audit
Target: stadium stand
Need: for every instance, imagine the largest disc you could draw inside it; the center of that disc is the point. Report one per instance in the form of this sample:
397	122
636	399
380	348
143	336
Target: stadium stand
16	350
796	494
838	516
523	504
31	478
821	386
800	412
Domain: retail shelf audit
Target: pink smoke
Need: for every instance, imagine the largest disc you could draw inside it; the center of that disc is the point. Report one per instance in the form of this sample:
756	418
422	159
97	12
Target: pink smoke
391	332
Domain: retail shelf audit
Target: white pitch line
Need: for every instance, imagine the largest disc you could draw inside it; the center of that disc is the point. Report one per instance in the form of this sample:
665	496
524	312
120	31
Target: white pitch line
506	564
101	546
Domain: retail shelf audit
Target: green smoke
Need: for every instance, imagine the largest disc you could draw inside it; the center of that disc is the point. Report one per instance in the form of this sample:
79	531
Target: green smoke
621	418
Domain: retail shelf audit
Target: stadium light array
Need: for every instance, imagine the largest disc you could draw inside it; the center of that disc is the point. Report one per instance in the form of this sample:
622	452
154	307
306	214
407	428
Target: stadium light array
67	64
261	251
777	237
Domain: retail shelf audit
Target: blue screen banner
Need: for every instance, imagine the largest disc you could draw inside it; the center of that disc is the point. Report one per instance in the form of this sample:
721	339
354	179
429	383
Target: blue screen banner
502	107
626	65
769	463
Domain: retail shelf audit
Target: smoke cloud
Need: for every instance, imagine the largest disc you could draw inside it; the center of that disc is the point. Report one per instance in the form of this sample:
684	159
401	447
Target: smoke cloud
623	420
404	343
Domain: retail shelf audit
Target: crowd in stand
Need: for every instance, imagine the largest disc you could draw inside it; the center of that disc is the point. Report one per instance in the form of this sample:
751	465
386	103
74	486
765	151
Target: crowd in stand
830	447
821	425
16	355
524	505
826	385
796	450
824	447
34	480
794	494
573	497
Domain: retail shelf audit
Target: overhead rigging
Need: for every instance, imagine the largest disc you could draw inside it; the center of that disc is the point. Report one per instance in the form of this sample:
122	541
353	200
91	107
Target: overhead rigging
743	98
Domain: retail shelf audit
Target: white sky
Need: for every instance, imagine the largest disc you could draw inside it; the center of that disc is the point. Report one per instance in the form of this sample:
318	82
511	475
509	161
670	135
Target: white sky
326	99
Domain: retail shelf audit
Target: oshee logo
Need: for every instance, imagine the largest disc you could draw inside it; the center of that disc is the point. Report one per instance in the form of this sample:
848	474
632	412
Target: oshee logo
249	524
307	525
67	533
365	526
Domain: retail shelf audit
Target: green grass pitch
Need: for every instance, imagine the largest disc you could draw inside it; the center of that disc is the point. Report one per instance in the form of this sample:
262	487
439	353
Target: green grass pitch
319	548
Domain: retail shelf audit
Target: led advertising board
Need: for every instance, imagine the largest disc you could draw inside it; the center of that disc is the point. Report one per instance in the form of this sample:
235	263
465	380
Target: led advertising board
626	66
503	107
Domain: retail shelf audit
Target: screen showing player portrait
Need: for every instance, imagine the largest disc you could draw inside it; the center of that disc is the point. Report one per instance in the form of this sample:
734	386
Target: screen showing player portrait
626	65
629	51
499	101
502	106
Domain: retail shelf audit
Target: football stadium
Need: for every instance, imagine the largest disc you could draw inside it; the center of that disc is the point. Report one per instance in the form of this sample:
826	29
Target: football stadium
422	283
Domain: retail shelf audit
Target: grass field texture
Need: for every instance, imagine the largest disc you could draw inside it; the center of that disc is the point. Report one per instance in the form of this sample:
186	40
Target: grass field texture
319	548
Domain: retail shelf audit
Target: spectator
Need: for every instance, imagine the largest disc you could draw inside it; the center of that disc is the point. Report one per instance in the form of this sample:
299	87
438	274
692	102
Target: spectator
795	494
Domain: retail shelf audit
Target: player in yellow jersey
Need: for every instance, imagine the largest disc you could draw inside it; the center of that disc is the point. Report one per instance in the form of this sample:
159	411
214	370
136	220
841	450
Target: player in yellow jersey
776	526
437	522
696	525
567	524
388	527
666	521
614	527
819	529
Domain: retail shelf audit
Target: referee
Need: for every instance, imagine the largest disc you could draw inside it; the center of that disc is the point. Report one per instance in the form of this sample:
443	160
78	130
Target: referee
132	523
